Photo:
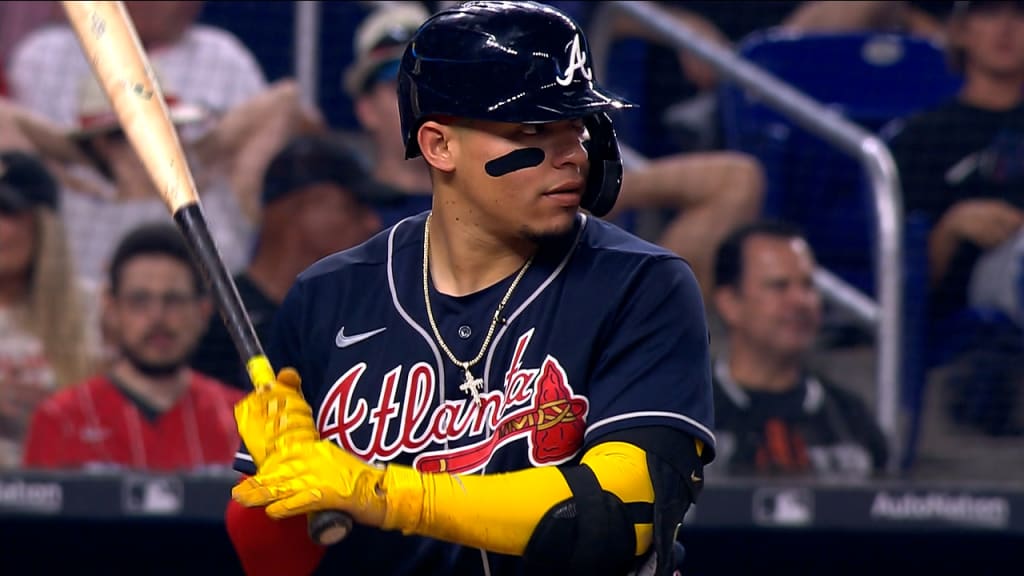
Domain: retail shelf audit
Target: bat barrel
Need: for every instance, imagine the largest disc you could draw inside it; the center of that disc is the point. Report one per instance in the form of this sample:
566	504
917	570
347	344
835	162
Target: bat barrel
111	45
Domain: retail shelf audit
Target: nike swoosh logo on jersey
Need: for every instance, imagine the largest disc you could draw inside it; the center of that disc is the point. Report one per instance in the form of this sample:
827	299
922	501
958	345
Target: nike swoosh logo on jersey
345	341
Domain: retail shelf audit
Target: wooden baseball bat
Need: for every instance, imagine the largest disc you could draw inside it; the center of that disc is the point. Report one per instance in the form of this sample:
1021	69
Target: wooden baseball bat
111	45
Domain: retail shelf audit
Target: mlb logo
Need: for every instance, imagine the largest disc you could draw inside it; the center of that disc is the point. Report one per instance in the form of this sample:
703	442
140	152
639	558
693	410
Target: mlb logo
783	507
152	496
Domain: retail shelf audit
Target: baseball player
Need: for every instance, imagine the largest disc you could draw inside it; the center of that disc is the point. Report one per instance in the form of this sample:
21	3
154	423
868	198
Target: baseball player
501	385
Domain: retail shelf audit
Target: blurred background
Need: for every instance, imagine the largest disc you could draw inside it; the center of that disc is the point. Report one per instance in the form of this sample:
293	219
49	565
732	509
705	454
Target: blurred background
846	178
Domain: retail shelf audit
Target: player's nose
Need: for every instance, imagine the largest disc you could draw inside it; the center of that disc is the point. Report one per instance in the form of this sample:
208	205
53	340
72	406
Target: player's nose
567	144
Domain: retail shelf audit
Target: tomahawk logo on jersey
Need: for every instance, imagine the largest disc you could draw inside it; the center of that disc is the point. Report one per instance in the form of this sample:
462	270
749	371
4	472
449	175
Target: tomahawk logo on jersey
560	372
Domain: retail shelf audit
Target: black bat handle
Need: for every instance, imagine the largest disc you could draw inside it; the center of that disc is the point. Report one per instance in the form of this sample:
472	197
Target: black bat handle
325	527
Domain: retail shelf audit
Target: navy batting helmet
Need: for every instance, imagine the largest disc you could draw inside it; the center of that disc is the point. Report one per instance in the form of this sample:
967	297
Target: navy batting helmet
520	62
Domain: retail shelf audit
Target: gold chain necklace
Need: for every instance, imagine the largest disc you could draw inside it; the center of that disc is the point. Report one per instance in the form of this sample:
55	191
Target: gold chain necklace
469	384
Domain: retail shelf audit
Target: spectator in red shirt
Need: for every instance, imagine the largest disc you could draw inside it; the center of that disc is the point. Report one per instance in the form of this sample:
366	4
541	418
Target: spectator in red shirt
149	411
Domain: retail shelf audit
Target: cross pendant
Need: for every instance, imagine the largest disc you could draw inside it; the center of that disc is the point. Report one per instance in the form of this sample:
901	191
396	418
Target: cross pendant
472	386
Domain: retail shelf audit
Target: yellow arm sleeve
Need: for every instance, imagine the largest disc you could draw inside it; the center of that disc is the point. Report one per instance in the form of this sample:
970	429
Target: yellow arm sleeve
499	512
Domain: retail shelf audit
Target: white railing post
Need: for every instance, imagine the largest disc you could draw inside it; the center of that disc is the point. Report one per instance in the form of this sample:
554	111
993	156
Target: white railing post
307	49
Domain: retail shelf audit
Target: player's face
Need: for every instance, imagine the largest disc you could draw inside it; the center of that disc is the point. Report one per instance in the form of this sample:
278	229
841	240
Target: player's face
157	315
993	40
331	219
17	243
779	306
525	179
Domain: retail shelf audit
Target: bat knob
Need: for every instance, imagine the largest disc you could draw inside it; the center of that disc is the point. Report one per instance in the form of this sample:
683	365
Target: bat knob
329	527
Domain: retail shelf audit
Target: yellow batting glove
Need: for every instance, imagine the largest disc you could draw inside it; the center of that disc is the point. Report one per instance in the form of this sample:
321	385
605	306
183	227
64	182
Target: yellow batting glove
271	419
310	477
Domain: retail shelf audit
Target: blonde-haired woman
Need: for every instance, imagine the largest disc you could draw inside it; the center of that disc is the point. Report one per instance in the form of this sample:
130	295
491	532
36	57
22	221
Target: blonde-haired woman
49	335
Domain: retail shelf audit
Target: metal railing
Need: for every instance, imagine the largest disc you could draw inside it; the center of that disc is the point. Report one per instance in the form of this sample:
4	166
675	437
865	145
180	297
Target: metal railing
885	315
307	49
862	309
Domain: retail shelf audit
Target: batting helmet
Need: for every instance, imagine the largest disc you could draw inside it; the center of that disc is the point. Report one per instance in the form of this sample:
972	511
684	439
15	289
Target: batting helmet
520	62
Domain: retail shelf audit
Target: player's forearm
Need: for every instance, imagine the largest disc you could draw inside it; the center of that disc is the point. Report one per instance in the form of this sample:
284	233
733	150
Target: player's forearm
24	129
842	16
499	512
942	245
248	137
690	181
496	512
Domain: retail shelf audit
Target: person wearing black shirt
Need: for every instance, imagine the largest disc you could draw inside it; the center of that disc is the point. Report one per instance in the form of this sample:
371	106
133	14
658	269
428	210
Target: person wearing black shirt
773	416
962	167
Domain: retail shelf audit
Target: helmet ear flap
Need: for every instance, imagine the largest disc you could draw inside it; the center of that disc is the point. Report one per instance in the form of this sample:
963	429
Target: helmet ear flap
605	178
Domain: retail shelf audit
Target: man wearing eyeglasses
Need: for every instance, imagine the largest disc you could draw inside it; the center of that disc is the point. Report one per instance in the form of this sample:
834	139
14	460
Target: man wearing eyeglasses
149	411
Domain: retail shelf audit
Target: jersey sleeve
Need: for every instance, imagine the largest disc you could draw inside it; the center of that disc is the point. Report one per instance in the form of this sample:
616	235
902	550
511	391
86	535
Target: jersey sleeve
655	367
282	349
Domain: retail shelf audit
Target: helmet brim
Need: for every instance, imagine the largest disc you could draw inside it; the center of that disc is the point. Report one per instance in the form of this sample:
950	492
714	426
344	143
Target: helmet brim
544	106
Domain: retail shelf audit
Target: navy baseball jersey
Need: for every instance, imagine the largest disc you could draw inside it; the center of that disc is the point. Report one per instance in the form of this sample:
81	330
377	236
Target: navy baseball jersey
604	332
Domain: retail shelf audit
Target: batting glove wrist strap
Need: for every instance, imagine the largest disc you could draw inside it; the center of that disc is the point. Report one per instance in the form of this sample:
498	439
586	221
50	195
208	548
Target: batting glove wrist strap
401	487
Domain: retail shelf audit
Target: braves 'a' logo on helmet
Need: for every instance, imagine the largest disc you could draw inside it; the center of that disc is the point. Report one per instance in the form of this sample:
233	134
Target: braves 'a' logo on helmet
577	61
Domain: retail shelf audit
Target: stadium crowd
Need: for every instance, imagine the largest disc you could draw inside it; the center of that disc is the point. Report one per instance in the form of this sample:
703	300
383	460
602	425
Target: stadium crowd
110	344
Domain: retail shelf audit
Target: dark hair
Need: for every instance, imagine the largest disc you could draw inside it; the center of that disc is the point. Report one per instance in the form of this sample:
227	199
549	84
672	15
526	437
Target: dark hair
312	159
26	182
729	259
154	238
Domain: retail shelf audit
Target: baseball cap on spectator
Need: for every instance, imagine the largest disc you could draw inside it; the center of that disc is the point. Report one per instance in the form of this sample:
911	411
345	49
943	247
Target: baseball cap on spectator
379	43
96	114
309	160
25	182
962	7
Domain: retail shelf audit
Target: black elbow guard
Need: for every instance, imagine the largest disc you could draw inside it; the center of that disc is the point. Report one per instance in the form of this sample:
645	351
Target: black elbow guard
677	476
591	533
594	532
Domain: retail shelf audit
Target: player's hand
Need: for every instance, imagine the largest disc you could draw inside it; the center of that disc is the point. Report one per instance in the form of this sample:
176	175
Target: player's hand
316	476
985	222
272	419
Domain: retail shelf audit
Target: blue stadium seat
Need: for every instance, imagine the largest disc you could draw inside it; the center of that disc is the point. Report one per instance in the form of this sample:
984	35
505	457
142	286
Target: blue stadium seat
870	79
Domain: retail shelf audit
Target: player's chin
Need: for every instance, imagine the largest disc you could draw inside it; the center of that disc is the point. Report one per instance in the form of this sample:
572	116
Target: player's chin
551	224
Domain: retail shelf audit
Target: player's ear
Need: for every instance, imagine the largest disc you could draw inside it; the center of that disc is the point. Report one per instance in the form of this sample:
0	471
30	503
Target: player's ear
727	304
435	141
